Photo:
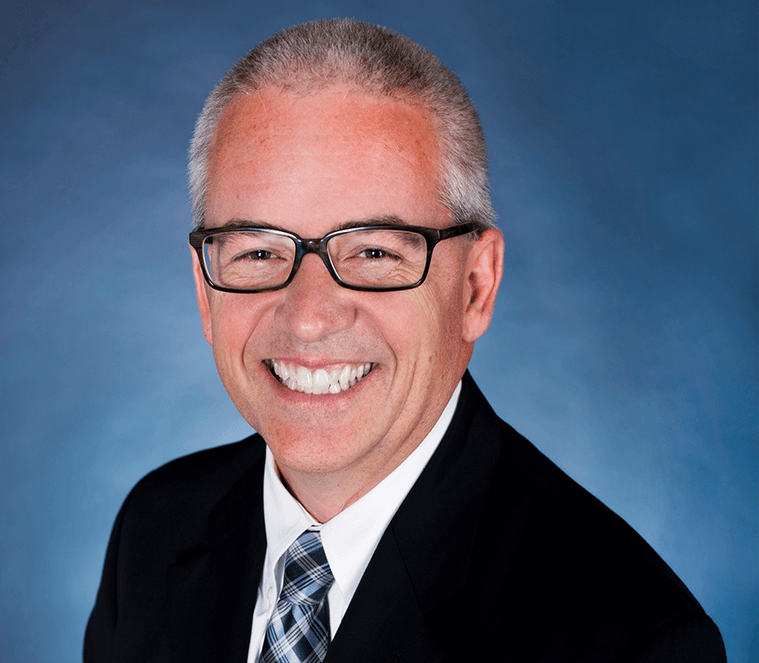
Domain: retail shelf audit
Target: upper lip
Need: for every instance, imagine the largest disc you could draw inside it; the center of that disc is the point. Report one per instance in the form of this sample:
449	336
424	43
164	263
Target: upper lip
313	365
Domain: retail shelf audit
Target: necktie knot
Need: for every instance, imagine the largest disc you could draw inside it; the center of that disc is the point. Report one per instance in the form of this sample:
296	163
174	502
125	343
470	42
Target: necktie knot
307	573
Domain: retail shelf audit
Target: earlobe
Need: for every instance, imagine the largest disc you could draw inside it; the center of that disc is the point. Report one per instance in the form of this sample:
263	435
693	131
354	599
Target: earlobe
482	278
203	303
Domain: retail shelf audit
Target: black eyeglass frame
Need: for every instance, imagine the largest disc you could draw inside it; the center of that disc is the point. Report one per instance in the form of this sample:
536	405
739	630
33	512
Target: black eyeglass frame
432	236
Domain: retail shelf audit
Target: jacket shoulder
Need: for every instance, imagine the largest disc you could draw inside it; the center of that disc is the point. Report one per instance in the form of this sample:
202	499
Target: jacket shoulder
197	474
585	525
587	585
176	499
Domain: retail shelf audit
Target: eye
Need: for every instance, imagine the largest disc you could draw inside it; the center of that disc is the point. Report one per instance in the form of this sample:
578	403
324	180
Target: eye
256	254
373	253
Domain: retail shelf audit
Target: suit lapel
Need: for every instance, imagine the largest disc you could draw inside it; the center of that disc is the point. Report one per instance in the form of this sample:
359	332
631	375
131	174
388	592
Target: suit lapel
212	588
384	621
406	603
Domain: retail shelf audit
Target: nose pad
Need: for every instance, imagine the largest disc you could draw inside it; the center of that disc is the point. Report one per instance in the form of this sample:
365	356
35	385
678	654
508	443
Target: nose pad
314	305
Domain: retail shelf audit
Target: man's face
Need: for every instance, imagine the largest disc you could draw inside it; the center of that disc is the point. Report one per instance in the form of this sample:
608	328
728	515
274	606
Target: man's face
308	165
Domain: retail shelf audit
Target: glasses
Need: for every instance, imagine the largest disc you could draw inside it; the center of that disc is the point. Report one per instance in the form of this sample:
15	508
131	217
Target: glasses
375	258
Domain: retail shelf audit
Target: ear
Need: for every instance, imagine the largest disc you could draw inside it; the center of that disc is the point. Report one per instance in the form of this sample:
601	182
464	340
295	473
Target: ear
202	292
481	280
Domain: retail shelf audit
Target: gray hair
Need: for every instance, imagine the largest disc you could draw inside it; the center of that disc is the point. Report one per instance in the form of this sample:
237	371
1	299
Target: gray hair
308	58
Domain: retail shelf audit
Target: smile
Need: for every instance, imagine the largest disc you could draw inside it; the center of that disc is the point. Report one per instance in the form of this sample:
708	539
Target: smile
320	381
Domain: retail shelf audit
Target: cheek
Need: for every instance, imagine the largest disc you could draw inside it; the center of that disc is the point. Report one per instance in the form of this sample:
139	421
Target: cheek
443	310
426	328
234	320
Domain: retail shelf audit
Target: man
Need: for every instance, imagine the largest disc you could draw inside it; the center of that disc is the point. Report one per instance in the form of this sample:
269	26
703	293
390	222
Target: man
383	512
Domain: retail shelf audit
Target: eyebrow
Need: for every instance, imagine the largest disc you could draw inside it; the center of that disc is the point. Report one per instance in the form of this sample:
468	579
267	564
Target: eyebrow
384	220
246	223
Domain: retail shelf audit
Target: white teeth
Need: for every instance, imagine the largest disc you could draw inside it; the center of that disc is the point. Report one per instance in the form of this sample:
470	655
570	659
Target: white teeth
321	381
304	380
299	378
345	377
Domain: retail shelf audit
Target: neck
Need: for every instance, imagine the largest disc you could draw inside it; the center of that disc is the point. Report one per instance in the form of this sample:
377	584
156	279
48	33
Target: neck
325	494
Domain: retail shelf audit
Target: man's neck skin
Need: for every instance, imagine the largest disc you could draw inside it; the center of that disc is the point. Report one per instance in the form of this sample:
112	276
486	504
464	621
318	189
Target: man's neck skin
325	494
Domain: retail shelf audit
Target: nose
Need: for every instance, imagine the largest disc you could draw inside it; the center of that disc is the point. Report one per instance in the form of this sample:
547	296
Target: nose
314	305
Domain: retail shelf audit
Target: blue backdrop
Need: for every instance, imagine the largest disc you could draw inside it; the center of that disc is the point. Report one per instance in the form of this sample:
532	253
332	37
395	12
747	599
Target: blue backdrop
623	148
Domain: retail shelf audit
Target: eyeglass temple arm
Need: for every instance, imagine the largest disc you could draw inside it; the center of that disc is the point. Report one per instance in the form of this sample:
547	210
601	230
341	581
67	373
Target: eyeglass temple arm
461	229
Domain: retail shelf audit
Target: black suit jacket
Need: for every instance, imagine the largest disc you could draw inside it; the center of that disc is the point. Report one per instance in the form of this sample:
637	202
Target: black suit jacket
495	555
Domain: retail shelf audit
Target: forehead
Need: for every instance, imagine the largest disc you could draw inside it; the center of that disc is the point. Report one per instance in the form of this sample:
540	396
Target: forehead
335	154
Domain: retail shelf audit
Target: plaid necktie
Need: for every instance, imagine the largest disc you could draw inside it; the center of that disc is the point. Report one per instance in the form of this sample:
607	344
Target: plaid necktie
299	628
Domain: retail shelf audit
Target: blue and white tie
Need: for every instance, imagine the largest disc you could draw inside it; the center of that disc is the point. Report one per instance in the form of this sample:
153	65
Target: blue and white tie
299	628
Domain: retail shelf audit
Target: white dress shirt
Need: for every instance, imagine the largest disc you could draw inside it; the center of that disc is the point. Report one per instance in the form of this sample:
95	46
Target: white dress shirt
349	539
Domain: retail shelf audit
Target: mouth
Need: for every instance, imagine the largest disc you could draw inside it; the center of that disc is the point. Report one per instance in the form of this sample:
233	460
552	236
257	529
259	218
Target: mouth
320	381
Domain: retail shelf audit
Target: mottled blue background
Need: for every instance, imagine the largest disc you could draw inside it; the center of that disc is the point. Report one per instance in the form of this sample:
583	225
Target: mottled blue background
623	144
